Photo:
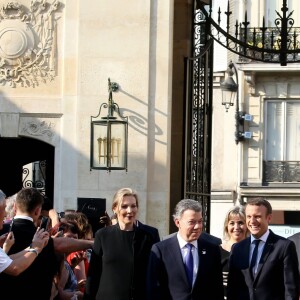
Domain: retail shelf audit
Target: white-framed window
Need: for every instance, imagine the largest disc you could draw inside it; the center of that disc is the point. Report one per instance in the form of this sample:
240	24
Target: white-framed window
271	6
282	140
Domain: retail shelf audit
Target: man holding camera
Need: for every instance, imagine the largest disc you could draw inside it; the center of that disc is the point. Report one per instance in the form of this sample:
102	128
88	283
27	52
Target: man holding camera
36	282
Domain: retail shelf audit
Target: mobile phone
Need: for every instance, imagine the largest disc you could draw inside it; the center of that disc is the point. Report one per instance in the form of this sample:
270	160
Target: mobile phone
61	215
11	225
44	223
88	254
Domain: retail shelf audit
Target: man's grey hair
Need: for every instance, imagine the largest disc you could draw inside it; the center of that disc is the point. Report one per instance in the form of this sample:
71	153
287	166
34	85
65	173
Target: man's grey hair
2	197
186	204
10	201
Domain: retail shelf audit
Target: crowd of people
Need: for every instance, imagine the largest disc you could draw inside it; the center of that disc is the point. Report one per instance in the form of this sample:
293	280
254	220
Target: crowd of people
45	255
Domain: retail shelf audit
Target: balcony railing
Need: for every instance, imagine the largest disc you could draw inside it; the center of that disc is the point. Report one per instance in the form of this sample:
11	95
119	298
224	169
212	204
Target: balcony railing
281	171
278	44
263	44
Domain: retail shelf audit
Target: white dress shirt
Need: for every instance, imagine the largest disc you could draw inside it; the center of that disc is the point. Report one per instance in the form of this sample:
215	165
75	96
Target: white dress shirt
184	250
261	246
23	217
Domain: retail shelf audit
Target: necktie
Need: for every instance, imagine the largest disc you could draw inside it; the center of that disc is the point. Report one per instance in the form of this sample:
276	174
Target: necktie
189	264
254	257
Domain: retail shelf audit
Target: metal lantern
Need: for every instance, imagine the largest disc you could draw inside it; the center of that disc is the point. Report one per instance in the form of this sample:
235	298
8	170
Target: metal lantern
109	136
229	88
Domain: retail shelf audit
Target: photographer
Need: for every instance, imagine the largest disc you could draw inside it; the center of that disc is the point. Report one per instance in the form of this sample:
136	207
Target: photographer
18	262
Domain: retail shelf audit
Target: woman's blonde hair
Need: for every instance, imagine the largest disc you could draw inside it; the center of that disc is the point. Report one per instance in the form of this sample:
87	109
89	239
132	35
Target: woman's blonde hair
120	194
233	212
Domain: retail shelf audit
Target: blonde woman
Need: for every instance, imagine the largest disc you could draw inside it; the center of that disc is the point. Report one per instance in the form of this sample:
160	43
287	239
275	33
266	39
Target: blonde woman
234	231
118	266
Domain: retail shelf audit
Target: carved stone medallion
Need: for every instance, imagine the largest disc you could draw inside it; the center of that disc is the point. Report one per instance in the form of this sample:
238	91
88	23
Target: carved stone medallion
27	43
15	38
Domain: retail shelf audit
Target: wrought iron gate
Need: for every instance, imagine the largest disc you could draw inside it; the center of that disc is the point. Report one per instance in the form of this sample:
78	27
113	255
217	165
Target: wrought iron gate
199	72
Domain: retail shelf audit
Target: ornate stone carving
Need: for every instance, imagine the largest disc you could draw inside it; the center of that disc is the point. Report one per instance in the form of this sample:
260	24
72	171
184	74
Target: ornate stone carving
250	79
38	128
27	43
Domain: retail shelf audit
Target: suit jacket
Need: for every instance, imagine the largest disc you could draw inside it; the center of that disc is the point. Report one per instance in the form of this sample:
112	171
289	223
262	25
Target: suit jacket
277	276
210	238
152	230
35	282
167	278
296	239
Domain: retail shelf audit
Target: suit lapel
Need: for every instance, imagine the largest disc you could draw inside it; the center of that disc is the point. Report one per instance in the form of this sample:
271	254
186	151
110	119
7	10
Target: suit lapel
246	250
269	246
175	253
201	254
202	266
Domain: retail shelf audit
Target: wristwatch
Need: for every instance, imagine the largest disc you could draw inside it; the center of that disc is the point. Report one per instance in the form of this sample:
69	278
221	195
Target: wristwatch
33	250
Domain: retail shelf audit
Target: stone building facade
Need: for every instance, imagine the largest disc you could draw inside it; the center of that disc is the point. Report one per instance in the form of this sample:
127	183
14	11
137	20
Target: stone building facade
56	58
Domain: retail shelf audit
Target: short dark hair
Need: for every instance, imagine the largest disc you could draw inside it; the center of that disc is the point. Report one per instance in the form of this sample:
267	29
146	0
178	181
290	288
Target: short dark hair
47	204
28	199
69	226
260	201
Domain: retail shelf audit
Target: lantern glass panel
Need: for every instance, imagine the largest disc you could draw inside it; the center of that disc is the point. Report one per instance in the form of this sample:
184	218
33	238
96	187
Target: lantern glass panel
109	145
228	97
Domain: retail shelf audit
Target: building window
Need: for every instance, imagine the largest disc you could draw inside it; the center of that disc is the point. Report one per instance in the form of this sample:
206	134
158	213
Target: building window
272	6
282	142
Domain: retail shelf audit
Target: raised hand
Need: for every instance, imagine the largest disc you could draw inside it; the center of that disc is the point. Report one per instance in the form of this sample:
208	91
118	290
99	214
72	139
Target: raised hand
40	239
9	241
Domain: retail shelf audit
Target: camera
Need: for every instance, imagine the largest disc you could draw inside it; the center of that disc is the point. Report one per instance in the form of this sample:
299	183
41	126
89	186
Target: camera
61	214
88	254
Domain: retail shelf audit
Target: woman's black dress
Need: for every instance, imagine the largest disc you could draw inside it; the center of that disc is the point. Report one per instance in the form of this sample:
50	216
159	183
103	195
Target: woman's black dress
118	266
225	268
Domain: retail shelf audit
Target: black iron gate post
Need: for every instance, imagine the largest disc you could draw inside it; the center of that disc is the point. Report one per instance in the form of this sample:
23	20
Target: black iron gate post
199	78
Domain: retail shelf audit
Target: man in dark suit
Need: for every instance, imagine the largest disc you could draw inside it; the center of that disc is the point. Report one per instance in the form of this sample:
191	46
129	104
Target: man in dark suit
36	282
296	239
184	267
264	266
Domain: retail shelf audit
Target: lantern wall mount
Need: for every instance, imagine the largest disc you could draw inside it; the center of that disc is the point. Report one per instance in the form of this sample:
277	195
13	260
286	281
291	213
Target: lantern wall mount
109	136
230	93
229	87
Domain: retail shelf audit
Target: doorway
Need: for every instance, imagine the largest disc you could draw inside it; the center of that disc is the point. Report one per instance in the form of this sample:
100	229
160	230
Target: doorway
26	162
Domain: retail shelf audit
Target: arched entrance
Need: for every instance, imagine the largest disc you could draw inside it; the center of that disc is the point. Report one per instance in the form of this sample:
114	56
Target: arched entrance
26	162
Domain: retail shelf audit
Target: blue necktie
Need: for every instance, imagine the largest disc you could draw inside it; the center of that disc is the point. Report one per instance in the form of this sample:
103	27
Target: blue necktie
254	257
189	264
